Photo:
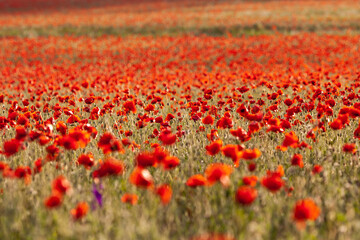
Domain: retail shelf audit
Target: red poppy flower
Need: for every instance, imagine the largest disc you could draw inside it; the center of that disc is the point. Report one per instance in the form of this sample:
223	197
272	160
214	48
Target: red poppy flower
8	173
68	143
145	159
169	117
160	154
80	211
167	138
170	162
11	147
73	119
272	181
108	143
149	108
81	137
241	134
251	166
288	102
53	152
3	166
21	133
218	172
43	140
130	198
306	210
350	148
87	160
60	185
196	180
253	127
38	165
249	154
316	169
245	195
165	193
232	151
336	124
23	172
53	201
291	140
224	122
214	147
89	100
357	133
141	177
130	106
110	167
209	120
250	180
297	160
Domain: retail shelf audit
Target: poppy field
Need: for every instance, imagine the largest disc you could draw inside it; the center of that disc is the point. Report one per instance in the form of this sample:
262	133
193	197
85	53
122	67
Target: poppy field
232	132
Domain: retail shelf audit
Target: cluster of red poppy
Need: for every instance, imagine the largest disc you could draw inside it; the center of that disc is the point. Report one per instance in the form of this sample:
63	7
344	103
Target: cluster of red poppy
246	92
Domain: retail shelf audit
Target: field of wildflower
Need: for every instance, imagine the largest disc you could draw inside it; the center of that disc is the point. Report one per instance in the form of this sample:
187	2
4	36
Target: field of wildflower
194	119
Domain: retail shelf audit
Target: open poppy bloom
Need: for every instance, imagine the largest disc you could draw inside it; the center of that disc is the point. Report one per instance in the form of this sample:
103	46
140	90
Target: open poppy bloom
68	143
250	180
142	178
170	162
165	193
249	154
218	172
305	210
130	198
224	122
130	106
110	167
336	124
357	133
196	180
145	159
251	166
213	135
61	185
21	133
349	148
245	195
291	140
241	134
61	127
3	166
53	201
297	160
11	147
316	169
167	138
80	211
23	173
214	147
272	181
108	143
81	137
232	151
159	154
209	120
87	160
